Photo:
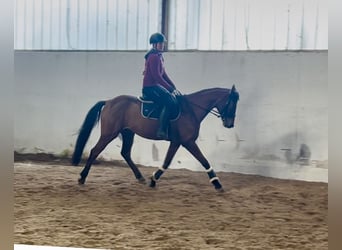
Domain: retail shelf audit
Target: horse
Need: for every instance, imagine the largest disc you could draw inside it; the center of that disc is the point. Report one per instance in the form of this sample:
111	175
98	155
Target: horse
121	115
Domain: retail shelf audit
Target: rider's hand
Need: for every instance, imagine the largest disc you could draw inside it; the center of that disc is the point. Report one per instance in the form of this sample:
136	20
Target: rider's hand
176	92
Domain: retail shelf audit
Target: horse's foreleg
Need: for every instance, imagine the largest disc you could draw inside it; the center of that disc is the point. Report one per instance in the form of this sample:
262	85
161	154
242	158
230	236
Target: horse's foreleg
95	151
127	142
168	158
196	152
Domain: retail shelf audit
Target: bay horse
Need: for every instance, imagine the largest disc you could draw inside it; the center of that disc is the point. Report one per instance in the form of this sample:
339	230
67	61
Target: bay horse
121	115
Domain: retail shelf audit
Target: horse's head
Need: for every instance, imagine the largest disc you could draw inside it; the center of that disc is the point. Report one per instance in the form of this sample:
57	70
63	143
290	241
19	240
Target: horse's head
228	109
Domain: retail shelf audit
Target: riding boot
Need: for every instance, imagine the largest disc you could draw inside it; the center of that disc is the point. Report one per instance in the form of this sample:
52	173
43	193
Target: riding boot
162	132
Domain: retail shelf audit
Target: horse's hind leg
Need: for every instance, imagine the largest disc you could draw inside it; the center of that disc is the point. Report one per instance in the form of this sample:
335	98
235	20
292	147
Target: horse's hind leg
95	151
127	142
196	152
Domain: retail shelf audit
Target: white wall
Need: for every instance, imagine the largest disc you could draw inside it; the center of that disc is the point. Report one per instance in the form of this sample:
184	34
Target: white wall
283	104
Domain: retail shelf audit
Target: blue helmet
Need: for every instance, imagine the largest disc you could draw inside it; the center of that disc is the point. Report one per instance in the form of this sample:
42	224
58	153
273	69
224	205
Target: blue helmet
157	38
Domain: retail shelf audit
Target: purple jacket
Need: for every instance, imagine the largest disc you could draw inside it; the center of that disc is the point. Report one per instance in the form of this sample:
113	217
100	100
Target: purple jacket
154	73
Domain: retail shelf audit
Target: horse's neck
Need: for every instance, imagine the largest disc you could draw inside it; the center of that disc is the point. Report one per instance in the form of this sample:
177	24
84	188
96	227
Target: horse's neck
203	101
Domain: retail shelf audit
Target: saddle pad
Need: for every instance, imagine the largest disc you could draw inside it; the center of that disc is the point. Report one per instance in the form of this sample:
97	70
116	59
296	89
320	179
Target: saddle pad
151	110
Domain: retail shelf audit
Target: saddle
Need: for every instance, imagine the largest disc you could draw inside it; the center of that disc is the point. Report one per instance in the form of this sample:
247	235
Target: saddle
151	110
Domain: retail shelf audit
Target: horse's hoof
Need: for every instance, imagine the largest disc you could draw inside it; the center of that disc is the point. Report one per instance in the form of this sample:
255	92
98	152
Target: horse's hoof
219	190
81	181
142	180
153	183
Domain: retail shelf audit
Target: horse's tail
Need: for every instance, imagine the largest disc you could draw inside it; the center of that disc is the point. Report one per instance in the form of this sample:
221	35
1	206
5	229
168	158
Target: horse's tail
90	121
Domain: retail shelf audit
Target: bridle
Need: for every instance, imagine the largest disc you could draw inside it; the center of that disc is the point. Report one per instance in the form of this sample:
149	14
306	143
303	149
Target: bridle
224	114
233	97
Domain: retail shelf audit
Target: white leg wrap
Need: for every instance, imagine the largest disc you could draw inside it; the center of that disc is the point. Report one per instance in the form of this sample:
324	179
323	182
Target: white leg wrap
209	169
214	178
153	177
162	169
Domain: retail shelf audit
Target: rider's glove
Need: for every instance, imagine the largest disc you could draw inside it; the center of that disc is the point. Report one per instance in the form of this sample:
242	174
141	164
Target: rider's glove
176	92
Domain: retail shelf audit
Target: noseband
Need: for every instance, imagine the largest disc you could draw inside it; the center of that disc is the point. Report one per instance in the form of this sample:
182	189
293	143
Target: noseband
233	97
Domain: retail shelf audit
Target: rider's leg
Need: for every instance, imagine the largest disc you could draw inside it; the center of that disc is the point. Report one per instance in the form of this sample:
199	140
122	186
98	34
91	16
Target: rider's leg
163	97
170	105
162	132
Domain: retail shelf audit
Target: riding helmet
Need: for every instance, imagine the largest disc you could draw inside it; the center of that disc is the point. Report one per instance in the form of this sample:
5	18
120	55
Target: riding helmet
157	38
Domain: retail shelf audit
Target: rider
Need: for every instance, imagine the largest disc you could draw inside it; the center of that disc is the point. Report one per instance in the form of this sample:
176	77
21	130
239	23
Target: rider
157	86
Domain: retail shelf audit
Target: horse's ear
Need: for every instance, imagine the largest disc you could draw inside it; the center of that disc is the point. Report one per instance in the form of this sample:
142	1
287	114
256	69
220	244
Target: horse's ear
233	88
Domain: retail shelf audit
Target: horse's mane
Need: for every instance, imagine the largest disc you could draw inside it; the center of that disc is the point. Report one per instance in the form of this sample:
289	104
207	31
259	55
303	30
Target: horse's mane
206	91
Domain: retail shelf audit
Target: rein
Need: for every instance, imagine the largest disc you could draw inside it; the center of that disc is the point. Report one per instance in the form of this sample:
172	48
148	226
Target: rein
214	112
211	111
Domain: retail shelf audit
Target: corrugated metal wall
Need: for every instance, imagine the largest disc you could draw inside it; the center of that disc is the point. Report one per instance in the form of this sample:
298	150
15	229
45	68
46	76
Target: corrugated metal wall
85	24
248	24
192	24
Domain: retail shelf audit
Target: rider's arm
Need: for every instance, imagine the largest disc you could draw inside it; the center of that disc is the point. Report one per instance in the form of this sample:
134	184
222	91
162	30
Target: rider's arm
156	68
167	78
